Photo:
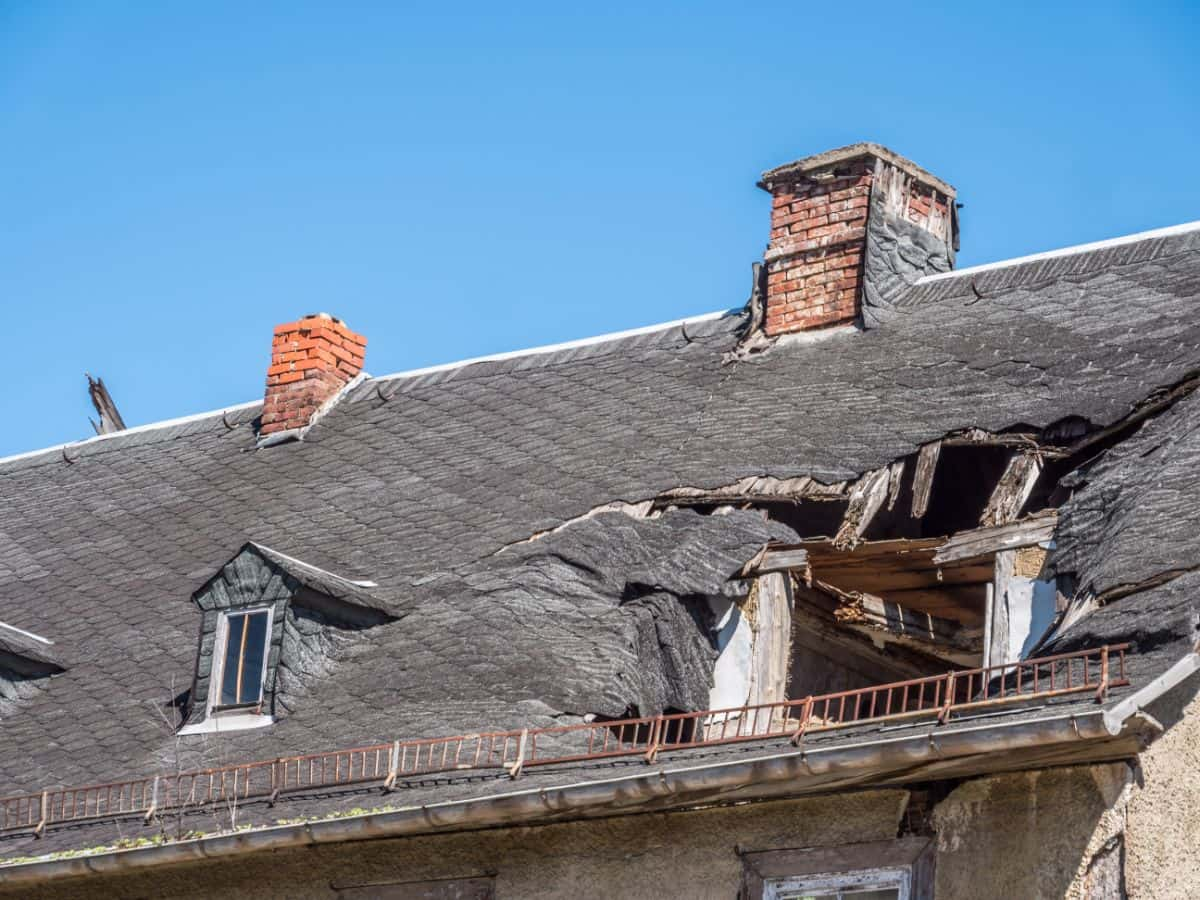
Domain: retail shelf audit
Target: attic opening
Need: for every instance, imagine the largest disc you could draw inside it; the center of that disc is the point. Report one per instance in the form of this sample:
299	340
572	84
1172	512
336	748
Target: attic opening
935	562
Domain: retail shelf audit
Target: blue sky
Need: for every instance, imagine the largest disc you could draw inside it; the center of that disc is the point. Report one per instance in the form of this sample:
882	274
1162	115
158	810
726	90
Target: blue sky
461	179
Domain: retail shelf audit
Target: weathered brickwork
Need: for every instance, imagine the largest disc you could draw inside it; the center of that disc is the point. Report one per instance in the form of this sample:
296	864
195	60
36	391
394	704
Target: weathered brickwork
311	360
818	237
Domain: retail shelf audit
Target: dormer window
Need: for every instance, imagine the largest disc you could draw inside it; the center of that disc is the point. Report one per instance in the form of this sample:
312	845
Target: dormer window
267	627
242	662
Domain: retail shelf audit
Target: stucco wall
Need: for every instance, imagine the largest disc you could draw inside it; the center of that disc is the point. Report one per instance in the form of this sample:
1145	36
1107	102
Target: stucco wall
657	856
1162	846
1082	832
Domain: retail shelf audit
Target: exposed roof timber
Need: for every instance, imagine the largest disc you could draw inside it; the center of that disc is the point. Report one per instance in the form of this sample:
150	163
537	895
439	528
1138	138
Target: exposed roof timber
758	488
106	409
778	561
1013	488
888	621
927	460
1027	532
866	498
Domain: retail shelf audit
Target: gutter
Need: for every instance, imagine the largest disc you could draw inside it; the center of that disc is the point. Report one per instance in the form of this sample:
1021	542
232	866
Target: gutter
781	774
1116	716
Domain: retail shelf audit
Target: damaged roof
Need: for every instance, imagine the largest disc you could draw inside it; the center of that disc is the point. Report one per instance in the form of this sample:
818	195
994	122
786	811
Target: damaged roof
430	487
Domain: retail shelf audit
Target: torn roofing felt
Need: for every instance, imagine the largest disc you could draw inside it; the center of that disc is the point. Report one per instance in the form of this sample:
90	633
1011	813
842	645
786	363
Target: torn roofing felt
611	610
1133	517
416	482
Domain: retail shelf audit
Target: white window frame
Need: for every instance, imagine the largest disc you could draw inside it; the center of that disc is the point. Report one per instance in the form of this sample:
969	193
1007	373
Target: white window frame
904	865
233	718
832	886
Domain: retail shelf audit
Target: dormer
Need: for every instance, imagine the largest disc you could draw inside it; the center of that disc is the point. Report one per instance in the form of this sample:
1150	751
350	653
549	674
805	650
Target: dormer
261	613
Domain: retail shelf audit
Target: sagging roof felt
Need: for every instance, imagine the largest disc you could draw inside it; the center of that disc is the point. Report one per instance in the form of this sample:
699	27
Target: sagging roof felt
426	486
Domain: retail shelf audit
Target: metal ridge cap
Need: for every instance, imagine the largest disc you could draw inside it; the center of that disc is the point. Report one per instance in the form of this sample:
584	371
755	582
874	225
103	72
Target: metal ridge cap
1074	250
588	799
545	349
125	432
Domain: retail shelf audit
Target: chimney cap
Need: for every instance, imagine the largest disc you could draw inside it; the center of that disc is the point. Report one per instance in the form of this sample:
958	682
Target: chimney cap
811	165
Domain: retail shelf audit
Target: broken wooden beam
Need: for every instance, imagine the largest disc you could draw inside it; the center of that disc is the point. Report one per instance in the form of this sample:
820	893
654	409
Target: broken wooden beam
927	459
783	559
886	622
1013	489
866	497
986	541
110	419
757	489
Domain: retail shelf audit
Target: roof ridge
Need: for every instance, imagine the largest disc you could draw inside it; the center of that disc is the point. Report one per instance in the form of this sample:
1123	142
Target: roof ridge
1074	250
610	337
126	432
544	349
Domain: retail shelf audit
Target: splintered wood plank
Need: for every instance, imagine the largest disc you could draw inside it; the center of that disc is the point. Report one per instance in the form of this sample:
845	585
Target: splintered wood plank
987	541
866	497
1013	489
895	480
781	560
770	653
996	633
927	458
880	566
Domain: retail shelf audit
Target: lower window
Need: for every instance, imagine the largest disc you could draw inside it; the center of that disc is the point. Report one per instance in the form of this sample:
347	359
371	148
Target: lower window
878	885
882	870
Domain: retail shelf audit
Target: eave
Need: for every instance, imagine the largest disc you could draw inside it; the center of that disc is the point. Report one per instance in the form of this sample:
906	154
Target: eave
928	752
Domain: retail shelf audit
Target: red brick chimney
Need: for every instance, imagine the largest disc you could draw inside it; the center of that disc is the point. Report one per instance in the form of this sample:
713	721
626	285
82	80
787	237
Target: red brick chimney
311	360
821	208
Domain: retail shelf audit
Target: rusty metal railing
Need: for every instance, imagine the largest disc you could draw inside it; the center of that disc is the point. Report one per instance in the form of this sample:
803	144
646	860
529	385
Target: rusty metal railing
937	696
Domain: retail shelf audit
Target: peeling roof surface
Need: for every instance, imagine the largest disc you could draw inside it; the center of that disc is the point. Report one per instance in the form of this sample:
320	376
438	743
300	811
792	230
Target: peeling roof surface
419	483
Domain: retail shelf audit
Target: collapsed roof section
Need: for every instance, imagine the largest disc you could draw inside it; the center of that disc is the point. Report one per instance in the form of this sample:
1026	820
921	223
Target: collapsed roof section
961	413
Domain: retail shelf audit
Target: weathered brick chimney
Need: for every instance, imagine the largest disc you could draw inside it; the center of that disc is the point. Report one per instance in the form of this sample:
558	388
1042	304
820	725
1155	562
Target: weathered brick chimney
311	360
824	209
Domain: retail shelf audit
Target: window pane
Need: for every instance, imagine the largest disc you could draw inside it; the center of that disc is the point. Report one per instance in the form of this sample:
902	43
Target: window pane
245	649
873	894
233	650
252	661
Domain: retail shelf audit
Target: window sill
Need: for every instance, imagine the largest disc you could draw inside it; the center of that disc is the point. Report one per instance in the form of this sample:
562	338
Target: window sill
228	722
